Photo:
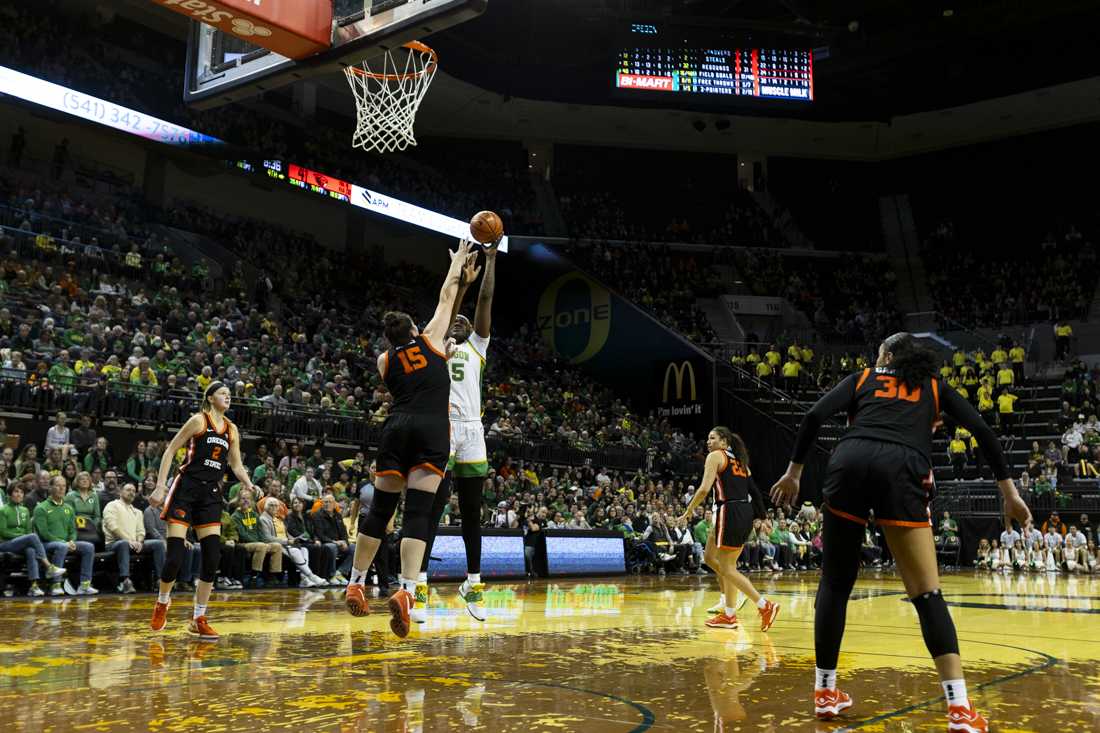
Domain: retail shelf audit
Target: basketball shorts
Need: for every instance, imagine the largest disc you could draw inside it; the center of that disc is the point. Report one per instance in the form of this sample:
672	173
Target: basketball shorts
411	442
732	524
469	458
890	479
192	502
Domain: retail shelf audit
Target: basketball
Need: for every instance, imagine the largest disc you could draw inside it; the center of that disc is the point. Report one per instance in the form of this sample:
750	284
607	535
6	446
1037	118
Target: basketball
486	227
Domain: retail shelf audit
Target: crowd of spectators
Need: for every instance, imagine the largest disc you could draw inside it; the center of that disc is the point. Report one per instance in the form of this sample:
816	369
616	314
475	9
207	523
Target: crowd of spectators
1053	547
975	285
848	299
159	329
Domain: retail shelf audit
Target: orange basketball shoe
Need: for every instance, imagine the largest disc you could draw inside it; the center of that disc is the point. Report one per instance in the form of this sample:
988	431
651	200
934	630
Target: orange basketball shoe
399	605
356	601
200	628
722	621
768	614
830	703
965	720
160	616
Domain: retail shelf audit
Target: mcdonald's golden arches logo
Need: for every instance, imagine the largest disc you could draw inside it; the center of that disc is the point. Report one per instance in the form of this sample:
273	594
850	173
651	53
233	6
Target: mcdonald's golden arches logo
677	372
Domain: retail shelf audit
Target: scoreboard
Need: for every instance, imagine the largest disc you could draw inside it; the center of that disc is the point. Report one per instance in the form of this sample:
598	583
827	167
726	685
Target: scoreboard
649	63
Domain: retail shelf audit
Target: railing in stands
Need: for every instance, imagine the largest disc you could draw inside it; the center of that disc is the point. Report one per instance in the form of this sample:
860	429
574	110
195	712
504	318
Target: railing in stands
163	408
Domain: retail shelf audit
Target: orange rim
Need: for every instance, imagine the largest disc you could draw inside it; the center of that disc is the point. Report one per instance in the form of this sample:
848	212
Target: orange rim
416	46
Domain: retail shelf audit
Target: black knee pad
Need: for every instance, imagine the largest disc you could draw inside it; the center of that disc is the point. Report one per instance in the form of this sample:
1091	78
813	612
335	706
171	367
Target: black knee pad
936	624
173	559
382	507
417	524
211	547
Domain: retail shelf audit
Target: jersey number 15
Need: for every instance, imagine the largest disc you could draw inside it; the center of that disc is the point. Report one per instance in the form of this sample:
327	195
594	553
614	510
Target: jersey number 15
412	360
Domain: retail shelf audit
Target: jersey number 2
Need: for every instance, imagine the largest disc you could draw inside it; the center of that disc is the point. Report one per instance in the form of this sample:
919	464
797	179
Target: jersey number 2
412	359
892	390
217	453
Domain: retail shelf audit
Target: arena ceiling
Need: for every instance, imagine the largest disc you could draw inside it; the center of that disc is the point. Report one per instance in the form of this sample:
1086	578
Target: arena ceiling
885	57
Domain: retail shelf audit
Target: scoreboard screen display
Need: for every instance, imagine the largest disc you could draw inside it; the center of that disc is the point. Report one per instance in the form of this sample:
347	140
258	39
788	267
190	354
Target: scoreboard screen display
651	62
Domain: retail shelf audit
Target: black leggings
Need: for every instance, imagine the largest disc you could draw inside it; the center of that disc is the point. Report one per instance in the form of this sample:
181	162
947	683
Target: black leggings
469	506
841	540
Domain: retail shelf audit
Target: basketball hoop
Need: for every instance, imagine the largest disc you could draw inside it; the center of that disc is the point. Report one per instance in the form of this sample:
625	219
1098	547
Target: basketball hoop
386	99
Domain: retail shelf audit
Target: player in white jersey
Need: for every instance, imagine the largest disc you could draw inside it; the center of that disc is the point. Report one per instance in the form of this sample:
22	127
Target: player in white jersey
469	462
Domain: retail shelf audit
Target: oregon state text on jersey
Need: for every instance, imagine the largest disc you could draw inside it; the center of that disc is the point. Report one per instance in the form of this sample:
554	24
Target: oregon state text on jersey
208	452
417	377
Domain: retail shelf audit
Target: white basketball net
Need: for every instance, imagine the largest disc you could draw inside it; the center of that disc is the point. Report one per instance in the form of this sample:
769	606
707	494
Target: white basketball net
386	98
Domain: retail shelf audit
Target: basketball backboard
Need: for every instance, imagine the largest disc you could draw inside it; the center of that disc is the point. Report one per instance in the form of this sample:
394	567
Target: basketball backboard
223	68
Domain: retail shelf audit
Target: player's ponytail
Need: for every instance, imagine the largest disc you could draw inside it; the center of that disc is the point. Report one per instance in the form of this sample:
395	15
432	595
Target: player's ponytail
912	362
397	327
733	440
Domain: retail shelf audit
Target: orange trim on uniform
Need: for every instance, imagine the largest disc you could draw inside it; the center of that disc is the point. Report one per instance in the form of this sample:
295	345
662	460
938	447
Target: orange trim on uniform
176	521
429	467
863	378
434	350
204	526
903	523
721	547
846	515
721	526
719	488
389	473
936	398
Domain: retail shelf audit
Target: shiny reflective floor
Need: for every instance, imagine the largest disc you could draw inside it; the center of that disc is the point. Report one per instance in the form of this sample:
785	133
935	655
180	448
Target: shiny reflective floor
616	654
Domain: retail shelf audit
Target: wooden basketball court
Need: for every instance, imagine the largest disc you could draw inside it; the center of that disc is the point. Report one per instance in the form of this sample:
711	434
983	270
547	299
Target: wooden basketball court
620	654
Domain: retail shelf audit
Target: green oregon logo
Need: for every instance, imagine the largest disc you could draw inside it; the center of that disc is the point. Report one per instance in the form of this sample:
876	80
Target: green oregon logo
575	317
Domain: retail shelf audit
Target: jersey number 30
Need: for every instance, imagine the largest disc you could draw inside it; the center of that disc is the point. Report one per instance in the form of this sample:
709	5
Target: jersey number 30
412	359
891	390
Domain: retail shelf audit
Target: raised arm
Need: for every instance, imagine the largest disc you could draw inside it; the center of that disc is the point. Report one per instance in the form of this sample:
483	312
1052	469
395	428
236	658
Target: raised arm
194	426
483	316
436	330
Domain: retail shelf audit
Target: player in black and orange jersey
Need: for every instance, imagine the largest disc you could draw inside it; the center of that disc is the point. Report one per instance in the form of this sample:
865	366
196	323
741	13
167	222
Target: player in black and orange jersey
195	500
415	442
883	463
737	502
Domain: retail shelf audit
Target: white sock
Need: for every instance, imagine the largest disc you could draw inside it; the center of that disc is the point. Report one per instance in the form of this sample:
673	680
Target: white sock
721	600
422	578
824	679
955	692
199	611
164	597
472	578
408	585
729	611
357	576
762	602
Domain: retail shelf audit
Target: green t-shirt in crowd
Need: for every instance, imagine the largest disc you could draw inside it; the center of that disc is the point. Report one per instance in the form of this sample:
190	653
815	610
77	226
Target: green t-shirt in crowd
55	522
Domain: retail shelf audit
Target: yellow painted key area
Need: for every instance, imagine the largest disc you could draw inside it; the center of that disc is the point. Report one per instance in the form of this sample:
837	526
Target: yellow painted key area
612	654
